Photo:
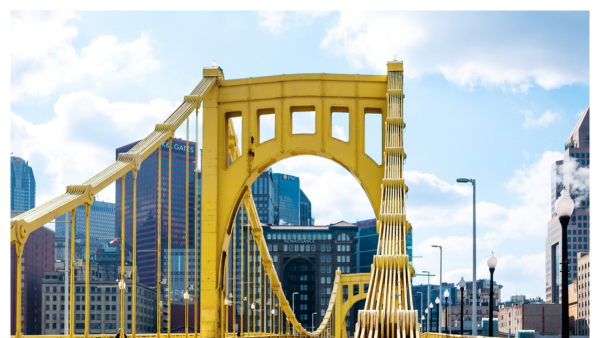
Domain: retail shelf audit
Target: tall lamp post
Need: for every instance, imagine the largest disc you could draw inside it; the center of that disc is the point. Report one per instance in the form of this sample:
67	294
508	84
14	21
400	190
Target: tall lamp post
428	287
564	208
421	305
462	284
466	180
492	261
439	246
438	322
446	295
430	318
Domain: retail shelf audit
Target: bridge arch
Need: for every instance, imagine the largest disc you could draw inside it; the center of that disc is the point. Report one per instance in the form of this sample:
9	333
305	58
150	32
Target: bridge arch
229	172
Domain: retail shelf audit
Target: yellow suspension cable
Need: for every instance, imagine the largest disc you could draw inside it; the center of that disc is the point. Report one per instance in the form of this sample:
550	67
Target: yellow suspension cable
187	218
134	266
196	259
234	272
158	247
72	275
122	242
87	271
247	272
169	277
242	253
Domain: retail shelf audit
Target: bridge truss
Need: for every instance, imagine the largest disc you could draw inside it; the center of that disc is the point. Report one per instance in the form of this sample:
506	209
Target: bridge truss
235	254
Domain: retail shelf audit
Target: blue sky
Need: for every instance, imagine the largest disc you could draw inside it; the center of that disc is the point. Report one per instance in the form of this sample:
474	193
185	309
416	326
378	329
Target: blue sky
489	95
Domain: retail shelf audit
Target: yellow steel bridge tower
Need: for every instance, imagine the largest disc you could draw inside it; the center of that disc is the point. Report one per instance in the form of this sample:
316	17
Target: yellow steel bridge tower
232	253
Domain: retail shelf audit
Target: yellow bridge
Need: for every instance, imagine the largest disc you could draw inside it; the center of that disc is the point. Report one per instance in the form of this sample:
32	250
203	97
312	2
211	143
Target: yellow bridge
258	307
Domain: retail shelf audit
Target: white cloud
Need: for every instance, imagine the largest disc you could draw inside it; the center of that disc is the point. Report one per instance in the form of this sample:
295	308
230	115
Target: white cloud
466	47
339	133
44	58
272	20
81	140
542	121
334	193
524	218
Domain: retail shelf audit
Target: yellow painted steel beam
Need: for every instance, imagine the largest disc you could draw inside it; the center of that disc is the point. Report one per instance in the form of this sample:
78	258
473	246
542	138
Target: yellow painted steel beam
22	225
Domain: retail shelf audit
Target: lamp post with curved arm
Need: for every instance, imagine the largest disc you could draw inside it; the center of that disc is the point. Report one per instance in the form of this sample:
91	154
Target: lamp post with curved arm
472	181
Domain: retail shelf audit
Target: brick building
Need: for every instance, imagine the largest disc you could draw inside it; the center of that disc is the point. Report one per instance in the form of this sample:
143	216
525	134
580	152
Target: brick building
543	318
38	257
306	258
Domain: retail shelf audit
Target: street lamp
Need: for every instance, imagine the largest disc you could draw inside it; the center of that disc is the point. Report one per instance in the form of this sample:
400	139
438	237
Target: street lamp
313	320
428	317
421	304
466	180
492	261
446	295
293	305
439	246
437	323
422	319
462	284
564	208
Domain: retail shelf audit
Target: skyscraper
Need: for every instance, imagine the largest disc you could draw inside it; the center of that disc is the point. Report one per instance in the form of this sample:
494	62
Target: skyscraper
22	185
305	210
102	223
147	207
571	172
288	200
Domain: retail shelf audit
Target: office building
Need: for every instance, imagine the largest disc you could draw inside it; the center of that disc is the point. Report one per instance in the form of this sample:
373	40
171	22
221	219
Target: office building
573	172
147	205
306	258
105	304
22	185
582	321
37	258
288	200
540	317
263	194
305	210
102	224
368	239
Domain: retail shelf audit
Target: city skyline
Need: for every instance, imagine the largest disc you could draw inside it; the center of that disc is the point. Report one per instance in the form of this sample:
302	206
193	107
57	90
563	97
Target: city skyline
529	111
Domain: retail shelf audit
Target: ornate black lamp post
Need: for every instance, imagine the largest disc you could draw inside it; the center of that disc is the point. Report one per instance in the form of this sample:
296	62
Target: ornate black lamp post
446	295
462	284
492	265
564	208
438	322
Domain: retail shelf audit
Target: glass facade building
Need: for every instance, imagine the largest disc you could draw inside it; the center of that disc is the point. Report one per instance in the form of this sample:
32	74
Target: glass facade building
147	205
22	185
367	244
573	172
102	224
286	199
305	210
